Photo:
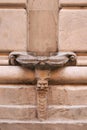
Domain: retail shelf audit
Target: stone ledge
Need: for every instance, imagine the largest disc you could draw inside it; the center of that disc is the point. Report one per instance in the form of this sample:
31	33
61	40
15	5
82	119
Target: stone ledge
8	3
28	112
26	94
65	75
73	3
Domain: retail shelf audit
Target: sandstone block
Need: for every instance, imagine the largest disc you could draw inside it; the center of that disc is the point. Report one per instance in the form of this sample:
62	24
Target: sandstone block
73	30
73	3
17	95
43	31
58	95
68	95
62	125
12	1
17	113
27	112
43	5
13	31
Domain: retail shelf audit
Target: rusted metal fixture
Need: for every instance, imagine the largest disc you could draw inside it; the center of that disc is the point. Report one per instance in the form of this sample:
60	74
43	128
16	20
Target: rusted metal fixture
42	65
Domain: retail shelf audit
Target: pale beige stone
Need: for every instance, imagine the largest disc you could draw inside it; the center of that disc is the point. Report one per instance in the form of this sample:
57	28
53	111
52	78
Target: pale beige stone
13	30
68	75
23	112
17	95
73	2
82	61
43	4
58	95
17	113
4	59
14	74
12	1
68	95
67	113
73	30
62	125
64	75
43	31
43	26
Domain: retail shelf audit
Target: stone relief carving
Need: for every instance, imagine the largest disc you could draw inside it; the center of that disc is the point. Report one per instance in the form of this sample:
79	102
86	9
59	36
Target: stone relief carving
42	94
42	66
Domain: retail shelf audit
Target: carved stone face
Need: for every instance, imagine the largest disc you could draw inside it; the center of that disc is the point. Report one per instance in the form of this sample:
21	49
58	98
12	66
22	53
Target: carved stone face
42	84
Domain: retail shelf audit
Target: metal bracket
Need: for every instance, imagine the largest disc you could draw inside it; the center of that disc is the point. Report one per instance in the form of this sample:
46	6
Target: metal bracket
43	65
30	60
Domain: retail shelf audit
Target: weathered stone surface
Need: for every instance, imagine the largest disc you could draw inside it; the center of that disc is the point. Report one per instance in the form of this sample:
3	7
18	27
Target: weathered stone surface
16	73
68	95
17	112
58	95
67	112
73	30
17	94
65	75
23	112
13	4
43	26
43	31
43	4
44	126
73	3
13	31
4	2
